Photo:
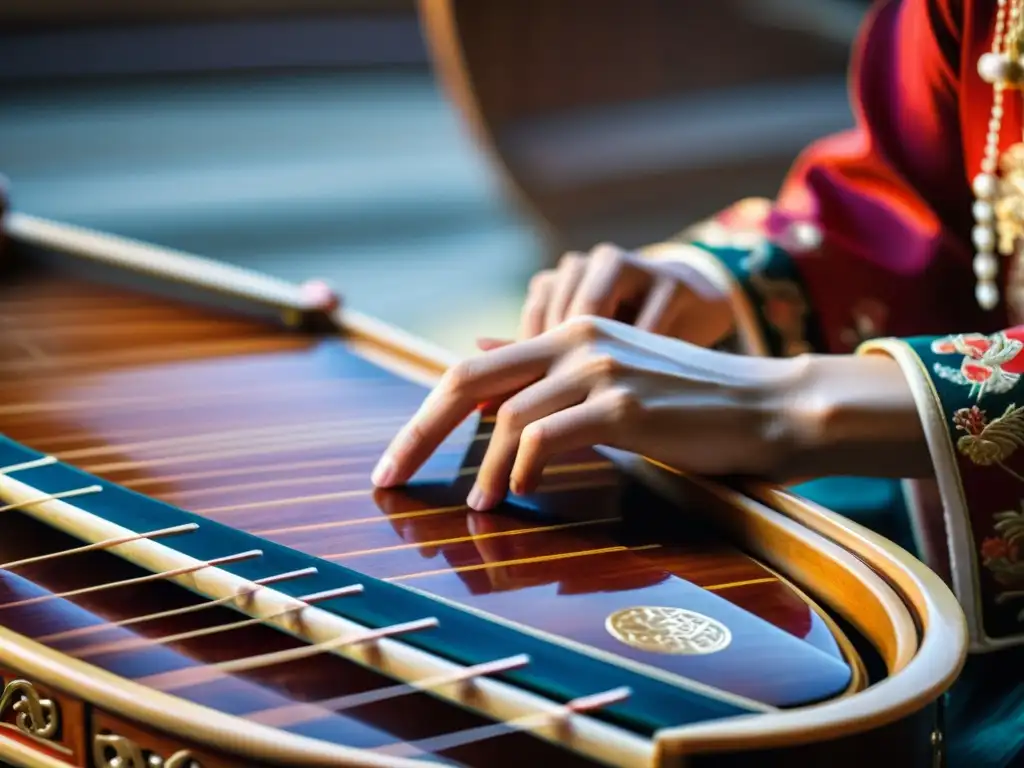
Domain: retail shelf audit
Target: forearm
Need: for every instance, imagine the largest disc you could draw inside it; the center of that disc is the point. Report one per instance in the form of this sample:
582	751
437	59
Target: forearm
850	415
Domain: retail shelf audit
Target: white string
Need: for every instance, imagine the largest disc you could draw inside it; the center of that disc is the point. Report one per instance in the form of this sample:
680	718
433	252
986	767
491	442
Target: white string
52	497
241	595
183	678
45	461
134	643
99	545
560	717
250	554
292	714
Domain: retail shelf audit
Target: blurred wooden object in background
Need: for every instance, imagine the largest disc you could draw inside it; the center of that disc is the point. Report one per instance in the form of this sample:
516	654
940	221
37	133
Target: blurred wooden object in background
60	39
625	121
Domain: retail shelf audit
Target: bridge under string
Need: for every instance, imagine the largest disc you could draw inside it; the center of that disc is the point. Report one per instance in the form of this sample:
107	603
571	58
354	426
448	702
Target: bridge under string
239	666
159	576
561	717
137	643
171	612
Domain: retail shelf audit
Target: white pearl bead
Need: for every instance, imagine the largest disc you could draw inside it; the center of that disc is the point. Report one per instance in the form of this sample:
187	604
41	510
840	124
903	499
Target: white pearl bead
987	295
993	67
983	211
985	185
984	238
986	266
805	235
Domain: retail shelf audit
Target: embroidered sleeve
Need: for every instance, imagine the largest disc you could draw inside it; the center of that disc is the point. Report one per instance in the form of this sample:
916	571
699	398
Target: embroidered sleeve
735	251
872	227
969	391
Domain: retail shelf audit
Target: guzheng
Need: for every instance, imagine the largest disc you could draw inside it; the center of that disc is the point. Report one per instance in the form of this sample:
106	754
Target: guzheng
195	570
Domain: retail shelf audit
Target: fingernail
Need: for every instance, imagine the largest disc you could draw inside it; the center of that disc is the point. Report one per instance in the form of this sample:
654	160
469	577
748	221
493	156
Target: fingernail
478	499
513	485
384	473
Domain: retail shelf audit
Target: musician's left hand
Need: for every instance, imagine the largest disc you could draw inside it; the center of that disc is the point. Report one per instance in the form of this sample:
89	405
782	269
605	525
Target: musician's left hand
594	381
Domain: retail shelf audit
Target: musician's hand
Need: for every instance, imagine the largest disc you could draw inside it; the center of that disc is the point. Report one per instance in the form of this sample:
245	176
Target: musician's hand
671	299
593	381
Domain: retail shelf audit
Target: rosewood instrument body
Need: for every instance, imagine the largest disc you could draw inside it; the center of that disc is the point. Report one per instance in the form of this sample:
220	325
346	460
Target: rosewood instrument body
262	433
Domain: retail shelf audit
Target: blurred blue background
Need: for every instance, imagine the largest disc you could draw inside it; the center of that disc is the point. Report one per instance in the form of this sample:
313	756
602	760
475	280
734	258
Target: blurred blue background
313	139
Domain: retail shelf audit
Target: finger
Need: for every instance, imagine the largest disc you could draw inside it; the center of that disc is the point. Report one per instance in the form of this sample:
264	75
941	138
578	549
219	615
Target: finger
664	304
318	295
567	279
581	426
611	279
531	322
486	344
492	375
538	400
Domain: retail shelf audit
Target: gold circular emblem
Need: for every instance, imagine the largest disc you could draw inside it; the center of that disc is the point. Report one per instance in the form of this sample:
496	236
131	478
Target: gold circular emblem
668	630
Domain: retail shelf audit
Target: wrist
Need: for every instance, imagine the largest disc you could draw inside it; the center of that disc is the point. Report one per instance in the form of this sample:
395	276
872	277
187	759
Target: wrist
847	415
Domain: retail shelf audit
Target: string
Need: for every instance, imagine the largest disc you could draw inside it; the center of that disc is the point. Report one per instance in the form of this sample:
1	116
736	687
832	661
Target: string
439	744
255	469
347	494
292	714
136	580
134	643
242	594
231	437
194	676
471	537
99	545
46	460
52	497
315	441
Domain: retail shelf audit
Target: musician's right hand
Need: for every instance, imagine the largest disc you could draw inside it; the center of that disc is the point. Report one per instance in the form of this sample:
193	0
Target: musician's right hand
667	298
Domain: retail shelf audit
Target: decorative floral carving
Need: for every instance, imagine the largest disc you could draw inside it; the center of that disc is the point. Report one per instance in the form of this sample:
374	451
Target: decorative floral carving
112	751
35	716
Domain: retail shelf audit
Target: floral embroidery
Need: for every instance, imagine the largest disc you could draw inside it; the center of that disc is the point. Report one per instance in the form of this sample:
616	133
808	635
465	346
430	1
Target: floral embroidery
990	442
783	303
991	364
1001	554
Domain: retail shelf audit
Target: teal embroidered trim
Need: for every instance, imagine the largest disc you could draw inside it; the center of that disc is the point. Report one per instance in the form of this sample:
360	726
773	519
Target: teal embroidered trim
977	379
769	278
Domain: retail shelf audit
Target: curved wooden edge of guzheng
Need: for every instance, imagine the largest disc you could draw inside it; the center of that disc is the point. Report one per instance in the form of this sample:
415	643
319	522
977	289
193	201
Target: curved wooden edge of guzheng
818	547
881	589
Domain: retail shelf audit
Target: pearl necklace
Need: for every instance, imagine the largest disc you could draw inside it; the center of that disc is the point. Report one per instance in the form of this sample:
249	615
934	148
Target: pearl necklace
1002	67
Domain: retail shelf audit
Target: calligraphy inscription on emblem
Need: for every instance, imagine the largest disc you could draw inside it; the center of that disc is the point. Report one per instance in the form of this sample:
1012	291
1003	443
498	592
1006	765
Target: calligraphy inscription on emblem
668	630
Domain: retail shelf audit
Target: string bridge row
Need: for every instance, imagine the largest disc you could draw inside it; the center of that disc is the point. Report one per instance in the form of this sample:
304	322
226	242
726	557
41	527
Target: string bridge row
290	615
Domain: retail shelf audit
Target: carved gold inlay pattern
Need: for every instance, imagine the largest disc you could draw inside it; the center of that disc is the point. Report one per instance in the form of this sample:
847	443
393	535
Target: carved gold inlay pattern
35	716
668	630
112	751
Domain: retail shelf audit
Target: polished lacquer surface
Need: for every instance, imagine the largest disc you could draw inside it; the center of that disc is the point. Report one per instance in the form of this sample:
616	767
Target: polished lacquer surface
275	433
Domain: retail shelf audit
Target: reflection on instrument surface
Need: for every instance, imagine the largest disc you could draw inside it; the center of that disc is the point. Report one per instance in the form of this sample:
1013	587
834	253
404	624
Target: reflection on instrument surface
337	615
